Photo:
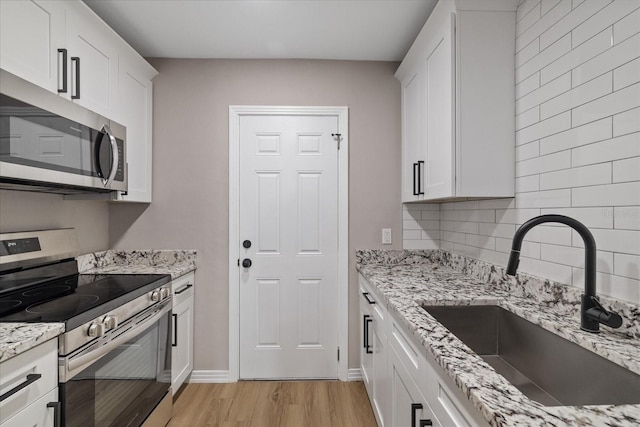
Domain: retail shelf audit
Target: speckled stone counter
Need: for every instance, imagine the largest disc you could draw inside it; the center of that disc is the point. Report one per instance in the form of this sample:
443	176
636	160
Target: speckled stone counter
177	263
16	338
408	279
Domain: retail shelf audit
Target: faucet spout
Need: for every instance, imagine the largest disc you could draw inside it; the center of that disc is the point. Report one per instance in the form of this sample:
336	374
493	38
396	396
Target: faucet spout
592	313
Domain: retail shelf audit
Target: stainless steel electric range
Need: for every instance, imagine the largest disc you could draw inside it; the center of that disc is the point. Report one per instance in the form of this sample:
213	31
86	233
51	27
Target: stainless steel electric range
115	354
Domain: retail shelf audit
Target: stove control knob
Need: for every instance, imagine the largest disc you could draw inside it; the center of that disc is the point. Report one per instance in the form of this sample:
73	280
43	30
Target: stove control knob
110	322
95	330
155	296
164	293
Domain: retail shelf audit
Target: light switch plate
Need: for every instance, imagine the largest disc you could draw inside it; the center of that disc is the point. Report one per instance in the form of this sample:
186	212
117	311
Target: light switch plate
386	236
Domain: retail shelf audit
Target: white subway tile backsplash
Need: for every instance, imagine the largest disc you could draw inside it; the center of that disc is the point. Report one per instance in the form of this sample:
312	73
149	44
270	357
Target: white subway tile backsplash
627	26
626	217
577	69
528	151
577	136
576	177
627	193
626	170
579	95
604	18
622	147
617	102
547	127
528	183
600	217
626	74
548	163
556	50
544	199
528	20
528	85
543	24
626	122
620	241
578	56
528	118
614	57
627	265
570	21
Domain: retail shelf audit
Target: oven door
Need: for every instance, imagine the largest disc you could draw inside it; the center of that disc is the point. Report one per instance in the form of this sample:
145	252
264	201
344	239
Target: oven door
119	379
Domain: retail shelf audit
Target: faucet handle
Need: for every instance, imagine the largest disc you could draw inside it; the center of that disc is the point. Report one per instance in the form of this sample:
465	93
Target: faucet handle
602	315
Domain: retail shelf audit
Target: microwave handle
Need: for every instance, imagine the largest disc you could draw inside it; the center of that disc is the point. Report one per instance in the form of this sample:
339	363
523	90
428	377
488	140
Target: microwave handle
115	156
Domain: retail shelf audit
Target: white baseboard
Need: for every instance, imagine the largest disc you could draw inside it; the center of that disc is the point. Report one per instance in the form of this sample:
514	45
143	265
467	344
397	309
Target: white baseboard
354	374
221	376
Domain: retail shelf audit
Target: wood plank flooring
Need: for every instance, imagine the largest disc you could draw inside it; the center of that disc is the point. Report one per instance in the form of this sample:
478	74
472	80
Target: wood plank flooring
273	404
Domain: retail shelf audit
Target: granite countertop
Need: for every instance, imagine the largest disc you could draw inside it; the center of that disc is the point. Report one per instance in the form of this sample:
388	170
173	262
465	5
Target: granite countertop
16	338
407	279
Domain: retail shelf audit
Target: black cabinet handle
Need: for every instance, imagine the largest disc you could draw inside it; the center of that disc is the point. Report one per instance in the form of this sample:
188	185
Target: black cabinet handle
184	289
175	330
56	413
425	423
365	332
420	165
415	407
76	63
366	296
63	89
31	378
415	191
367	346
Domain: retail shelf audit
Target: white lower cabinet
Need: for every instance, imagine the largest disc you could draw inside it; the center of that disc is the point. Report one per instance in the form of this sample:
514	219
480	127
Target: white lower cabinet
29	386
182	341
405	384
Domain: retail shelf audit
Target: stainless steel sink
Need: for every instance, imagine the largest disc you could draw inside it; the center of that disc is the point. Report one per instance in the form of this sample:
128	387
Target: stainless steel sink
544	366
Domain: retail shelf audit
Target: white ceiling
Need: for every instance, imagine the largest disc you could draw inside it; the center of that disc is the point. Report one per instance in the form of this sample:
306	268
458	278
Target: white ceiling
379	30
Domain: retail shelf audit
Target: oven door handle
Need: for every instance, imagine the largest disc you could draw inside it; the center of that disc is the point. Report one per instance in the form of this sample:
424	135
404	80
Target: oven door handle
75	364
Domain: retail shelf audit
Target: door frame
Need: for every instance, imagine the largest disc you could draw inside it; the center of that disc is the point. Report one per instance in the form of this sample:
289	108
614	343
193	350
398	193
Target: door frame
342	113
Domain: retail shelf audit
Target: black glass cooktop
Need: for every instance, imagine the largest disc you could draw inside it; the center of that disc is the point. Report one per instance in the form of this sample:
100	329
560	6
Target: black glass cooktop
76	299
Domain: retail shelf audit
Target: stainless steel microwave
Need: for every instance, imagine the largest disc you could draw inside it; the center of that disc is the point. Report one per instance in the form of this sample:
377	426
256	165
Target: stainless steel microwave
50	144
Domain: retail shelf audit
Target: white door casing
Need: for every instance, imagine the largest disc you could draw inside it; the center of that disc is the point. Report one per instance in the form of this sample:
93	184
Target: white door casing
288	195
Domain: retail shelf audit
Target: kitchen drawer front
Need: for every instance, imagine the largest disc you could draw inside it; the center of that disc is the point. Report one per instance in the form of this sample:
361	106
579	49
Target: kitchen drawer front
41	360
408	352
36	415
182	288
377	305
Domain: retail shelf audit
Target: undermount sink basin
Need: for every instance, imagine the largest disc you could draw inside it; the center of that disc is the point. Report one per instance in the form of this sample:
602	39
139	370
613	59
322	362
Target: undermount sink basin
544	366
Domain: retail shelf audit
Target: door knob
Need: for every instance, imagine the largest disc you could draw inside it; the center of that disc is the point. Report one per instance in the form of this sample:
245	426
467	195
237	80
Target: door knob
246	244
246	263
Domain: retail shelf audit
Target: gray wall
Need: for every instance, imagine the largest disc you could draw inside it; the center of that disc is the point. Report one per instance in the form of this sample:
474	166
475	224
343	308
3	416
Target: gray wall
24	211
190	166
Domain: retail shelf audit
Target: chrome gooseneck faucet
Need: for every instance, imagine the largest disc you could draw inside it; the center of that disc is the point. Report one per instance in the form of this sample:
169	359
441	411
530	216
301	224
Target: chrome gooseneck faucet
591	312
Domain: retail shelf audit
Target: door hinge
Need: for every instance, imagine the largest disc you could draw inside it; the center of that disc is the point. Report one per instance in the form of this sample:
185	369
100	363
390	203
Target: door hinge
338	354
338	137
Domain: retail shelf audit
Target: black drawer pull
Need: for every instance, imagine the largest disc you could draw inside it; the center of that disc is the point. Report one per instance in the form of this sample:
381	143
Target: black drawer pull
184	289
414	407
57	406
415	192
420	165
76	70
366	296
31	378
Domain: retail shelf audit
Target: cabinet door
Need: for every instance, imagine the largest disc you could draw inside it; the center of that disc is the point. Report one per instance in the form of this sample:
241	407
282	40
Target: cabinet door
439	112
366	354
135	113
379	368
94	80
38	414
31	32
182	351
407	404
412	137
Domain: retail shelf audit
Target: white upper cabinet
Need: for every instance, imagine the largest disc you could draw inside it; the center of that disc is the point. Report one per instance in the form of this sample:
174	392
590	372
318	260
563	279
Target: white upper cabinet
458	104
64	47
31	32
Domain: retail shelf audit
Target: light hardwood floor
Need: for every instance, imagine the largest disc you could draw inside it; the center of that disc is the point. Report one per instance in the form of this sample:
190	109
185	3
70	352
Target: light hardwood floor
274	404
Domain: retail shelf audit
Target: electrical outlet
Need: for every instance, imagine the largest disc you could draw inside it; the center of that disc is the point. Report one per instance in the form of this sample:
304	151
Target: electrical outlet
386	236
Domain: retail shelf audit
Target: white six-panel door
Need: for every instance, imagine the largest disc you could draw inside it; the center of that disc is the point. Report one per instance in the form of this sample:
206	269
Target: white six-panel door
288	210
